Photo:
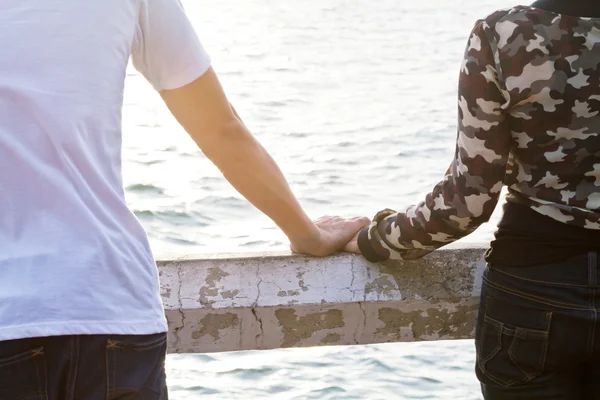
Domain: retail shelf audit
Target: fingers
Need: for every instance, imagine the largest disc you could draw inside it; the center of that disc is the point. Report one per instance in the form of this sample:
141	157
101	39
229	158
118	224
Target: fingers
329	220
352	229
356	224
335	234
343	228
364	221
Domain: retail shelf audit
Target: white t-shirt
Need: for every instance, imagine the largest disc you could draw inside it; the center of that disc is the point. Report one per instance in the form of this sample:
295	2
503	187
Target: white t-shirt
73	258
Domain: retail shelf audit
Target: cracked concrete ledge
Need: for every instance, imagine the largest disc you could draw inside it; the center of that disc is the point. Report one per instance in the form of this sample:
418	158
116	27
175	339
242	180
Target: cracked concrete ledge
274	300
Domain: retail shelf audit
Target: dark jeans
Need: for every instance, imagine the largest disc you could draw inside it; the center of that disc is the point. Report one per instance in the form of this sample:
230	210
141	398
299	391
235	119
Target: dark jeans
94	367
537	335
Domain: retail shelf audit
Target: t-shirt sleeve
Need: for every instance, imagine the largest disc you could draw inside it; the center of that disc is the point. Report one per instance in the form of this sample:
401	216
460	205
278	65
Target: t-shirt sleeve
166	49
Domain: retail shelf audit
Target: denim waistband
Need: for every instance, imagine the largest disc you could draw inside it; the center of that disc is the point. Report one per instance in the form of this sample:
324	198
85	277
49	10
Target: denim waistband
580	270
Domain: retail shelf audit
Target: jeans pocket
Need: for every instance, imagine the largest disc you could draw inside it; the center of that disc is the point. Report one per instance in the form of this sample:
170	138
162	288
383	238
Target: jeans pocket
513	342
135	367
23	376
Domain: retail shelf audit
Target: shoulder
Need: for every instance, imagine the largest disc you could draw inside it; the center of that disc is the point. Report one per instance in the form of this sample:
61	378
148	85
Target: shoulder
516	15
502	25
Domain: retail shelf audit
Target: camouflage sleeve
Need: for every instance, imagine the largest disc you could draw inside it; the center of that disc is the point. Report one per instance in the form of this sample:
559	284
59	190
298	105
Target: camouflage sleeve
469	192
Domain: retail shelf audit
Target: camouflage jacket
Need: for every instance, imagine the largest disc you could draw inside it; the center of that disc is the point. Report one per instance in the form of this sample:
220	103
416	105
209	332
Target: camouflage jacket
529	118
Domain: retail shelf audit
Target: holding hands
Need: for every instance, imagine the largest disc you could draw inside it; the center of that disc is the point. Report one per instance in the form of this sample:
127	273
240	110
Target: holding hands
332	234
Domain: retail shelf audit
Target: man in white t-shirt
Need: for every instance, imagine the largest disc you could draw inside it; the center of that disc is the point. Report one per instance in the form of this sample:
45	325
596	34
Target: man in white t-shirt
80	312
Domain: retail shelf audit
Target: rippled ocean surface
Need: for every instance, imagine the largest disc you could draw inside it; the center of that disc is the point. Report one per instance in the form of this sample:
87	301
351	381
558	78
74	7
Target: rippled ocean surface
356	101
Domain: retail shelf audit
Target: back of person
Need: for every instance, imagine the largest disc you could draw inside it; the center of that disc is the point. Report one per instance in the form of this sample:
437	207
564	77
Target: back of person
80	311
64	222
549	76
551	82
529	119
74	260
536	331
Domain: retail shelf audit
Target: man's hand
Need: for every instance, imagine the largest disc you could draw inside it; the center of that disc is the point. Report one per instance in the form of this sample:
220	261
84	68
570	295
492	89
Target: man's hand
332	235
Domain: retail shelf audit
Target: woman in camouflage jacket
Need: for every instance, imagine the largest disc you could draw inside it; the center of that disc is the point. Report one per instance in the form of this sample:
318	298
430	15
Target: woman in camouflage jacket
529	119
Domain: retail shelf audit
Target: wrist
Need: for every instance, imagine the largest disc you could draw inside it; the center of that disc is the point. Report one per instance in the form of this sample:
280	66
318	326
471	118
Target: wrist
368	242
306	240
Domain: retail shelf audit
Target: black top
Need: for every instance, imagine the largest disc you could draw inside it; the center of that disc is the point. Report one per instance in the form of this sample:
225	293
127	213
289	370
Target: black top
524	236
575	8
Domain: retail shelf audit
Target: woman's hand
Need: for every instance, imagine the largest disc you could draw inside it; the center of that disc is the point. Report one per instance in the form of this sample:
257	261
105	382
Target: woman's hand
331	235
352	245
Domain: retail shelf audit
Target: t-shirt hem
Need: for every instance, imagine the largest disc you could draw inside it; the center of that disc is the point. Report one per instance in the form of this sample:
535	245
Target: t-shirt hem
186	77
68	328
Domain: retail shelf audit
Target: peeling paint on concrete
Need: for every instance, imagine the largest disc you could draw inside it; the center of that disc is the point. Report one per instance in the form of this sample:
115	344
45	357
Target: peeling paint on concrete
213	324
215	275
331	338
206	294
296	329
382	286
229	294
209	291
262	302
431	324
283	293
300	276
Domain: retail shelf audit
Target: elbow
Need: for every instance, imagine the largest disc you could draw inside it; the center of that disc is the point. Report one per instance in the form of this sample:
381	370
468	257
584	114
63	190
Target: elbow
224	140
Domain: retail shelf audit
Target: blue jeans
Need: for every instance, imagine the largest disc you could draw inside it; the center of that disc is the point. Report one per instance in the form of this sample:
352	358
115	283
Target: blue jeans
94	367
537	335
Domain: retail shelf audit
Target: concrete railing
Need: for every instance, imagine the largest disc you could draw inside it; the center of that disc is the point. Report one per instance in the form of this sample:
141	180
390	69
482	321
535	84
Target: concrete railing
267	301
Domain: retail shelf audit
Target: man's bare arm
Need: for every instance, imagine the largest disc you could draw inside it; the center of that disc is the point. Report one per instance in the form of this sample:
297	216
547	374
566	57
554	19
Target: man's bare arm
205	113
